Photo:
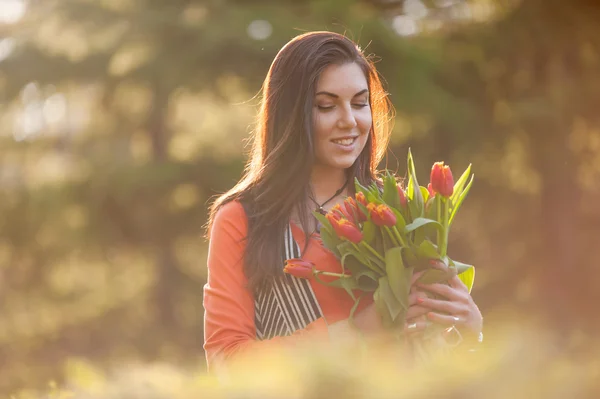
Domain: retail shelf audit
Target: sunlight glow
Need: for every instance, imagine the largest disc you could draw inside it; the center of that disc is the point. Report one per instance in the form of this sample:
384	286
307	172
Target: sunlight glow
260	29
415	9
404	25
7	46
30	123
55	108
11	11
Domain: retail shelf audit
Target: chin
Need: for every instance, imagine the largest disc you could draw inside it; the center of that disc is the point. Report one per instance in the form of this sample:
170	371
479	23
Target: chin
343	163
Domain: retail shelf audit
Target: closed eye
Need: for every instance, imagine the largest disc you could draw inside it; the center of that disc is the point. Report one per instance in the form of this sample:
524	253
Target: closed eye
325	108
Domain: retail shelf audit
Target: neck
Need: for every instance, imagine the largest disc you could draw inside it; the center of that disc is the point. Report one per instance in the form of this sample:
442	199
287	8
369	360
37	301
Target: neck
325	183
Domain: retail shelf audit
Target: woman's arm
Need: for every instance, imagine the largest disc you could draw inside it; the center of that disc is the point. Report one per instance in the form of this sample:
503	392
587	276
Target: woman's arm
229	306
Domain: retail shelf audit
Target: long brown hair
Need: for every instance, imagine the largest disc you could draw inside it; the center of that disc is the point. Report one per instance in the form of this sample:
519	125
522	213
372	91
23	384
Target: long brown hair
277	176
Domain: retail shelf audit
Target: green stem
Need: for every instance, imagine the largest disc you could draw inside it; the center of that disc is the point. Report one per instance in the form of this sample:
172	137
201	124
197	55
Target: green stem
444	246
438	206
333	274
392	237
381	258
374	268
398	236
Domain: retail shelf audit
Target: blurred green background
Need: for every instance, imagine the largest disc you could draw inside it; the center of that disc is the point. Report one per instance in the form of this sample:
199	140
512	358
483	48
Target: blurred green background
121	119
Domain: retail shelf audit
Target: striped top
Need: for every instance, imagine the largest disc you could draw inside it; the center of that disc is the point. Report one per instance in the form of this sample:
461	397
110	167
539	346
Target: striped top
236	320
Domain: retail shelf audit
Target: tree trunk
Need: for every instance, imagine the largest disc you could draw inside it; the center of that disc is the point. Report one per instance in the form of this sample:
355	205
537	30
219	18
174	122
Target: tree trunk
166	283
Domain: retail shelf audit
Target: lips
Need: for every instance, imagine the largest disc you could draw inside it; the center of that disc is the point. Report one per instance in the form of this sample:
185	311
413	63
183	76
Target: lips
344	140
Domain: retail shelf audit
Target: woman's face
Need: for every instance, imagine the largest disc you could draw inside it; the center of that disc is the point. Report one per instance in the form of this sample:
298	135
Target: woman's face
342	116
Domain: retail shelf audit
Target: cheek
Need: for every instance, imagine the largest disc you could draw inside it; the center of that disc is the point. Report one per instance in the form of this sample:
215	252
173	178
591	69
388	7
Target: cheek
364	122
323	125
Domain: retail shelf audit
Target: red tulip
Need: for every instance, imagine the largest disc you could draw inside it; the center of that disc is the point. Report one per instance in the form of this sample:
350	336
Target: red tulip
360	197
343	212
354	210
382	215
347	230
333	217
431	192
402	196
442	181
299	268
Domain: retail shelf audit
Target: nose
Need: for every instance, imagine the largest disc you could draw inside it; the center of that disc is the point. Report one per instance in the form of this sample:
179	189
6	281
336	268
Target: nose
346	120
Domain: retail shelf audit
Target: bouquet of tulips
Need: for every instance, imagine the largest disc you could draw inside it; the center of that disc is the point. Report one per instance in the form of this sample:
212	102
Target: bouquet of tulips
386	233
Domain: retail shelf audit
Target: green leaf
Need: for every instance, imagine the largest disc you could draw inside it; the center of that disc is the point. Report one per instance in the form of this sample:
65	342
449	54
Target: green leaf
466	273
394	307
459	200
398	275
368	231
400	221
372	263
419	222
382	308
424	193
413	190
354	266
460	183
428	250
387	240
432	276
390	191
346	248
360	188
347	283
409	255
367	281
353	310
324	222
331	242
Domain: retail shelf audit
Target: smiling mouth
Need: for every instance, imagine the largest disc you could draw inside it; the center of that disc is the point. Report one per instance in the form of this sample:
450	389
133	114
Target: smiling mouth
344	141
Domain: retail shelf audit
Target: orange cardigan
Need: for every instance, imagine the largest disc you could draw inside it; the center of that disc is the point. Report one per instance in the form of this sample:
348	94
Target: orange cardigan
229	306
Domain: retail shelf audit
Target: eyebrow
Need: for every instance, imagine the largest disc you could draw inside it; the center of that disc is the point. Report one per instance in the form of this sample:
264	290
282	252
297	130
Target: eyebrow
336	96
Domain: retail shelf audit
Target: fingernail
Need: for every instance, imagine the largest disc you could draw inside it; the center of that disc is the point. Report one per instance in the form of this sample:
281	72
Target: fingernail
411	326
420	300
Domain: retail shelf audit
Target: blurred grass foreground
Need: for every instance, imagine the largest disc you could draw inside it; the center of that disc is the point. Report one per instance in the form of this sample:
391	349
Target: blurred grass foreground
121	119
513	363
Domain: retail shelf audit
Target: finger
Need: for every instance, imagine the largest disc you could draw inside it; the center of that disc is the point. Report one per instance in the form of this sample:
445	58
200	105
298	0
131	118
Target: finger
416	276
416	311
416	326
449	320
414	296
444	290
456	282
438	264
439	305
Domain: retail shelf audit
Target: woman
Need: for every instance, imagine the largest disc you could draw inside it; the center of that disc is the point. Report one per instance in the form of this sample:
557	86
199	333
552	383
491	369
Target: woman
323	122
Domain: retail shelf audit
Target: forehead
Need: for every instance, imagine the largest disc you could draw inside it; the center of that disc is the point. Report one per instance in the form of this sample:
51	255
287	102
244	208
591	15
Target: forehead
342	79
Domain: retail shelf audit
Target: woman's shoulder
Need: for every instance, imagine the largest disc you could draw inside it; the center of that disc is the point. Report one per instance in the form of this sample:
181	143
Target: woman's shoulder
232	209
230	215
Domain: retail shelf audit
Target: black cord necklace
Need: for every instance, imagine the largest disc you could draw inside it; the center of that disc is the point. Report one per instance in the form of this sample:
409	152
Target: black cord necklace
320	206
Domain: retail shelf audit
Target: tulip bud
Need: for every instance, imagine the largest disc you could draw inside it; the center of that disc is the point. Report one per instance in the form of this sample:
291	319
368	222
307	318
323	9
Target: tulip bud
402	196
333	217
381	215
299	268
354	211
360	197
343	212
441	179
347	230
430	190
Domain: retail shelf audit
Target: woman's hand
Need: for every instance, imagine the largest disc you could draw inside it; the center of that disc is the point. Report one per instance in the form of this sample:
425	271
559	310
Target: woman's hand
458	309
